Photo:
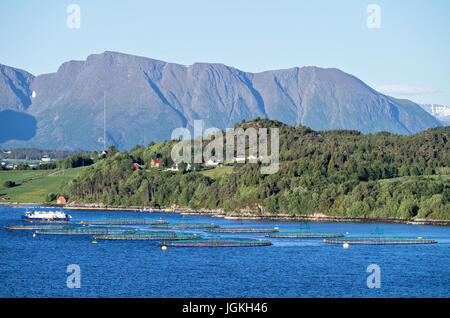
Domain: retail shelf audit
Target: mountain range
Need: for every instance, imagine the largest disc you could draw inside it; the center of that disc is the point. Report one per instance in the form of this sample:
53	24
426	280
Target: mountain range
441	112
146	99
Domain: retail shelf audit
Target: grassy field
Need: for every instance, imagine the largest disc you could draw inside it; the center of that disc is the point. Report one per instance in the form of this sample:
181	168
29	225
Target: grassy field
218	172
33	185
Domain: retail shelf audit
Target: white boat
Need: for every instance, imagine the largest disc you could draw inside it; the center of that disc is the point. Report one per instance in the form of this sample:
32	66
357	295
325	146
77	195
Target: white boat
46	216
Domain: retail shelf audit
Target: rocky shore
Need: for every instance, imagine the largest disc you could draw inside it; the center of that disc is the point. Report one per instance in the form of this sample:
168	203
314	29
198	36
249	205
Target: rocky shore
241	215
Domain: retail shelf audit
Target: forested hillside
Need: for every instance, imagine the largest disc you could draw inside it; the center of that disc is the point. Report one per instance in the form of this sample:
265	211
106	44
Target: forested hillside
340	173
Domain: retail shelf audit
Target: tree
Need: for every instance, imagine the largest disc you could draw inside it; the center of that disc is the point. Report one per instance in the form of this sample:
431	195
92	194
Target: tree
408	208
9	184
182	167
112	150
51	197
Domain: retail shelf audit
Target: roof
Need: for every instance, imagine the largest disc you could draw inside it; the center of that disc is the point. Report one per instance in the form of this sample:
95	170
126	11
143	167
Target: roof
61	199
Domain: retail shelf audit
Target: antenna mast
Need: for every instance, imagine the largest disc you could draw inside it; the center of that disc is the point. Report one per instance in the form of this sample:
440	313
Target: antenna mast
104	120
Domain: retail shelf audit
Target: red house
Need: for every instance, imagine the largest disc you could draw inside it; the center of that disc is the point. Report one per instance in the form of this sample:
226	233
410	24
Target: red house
61	200
155	163
137	166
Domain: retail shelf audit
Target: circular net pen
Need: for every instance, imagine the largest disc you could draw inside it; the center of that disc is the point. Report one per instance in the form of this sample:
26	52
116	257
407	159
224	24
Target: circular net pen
125	222
184	226
241	230
304	235
86	231
379	240
38	227
218	242
143	236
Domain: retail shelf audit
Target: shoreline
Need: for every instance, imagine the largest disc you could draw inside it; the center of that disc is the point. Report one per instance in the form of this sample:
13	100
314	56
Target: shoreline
239	216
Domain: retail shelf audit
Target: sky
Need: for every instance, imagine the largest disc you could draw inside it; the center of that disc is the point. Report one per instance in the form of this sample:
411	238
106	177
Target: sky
401	48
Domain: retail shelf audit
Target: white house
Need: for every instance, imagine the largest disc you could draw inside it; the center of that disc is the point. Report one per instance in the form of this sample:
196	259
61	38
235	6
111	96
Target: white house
212	162
240	159
46	159
173	167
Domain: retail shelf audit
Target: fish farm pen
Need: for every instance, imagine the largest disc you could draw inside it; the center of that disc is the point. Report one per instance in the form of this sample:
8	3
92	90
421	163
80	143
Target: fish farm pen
219	242
379	240
125	222
304	235
241	230
86	231
170	236
37	227
184	226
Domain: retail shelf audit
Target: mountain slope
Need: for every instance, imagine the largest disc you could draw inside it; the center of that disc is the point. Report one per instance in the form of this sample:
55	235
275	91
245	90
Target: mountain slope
146	99
441	112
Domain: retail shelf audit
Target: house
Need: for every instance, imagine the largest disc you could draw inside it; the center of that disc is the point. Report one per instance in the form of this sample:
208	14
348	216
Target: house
212	162
137	166
46	159
240	159
173	167
154	163
61	200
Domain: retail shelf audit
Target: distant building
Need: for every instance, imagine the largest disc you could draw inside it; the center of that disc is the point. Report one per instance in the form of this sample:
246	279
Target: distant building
173	167
154	163
137	166
212	162
240	159
61	200
46	159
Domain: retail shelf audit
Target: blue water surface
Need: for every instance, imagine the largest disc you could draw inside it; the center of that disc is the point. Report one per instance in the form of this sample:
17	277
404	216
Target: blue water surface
36	266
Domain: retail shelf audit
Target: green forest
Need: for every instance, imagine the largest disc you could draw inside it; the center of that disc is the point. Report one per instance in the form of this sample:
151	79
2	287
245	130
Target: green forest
336	173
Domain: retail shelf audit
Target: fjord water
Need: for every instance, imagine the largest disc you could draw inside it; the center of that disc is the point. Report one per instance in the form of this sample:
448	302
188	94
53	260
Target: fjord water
36	266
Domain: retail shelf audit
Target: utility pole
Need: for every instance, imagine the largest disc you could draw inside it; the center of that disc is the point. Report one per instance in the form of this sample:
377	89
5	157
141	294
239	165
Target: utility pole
104	120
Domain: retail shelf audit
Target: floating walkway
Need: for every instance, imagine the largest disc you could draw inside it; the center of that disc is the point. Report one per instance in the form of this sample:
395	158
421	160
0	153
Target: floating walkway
169	236
304	235
241	230
37	227
184	226
125	222
379	240
221	242
86	231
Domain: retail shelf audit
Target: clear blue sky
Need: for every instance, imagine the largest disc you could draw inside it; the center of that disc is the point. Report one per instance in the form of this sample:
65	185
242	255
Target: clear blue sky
408	57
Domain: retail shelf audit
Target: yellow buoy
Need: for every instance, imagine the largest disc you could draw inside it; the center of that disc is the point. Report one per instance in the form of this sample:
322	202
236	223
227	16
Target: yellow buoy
420	237
164	248
345	245
275	228
34	234
95	242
